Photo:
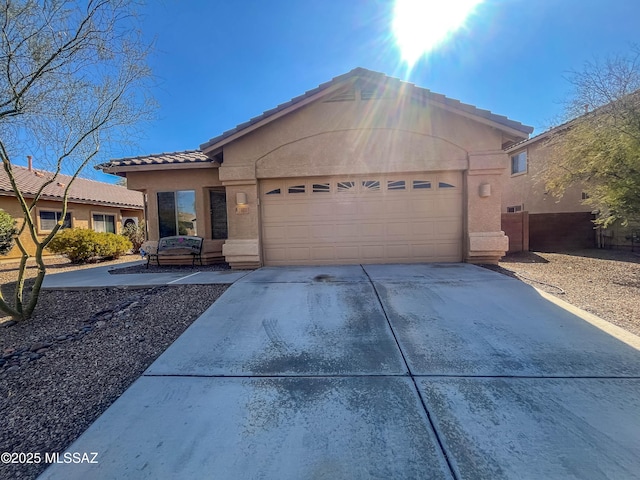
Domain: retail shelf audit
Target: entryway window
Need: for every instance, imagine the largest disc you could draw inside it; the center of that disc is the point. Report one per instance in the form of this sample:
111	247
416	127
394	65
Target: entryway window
177	213
104	223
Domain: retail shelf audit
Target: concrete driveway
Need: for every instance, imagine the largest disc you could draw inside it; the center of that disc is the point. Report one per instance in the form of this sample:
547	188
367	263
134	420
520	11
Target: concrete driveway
382	371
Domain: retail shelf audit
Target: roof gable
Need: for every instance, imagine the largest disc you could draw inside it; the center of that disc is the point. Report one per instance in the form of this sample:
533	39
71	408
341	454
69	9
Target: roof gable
82	190
341	84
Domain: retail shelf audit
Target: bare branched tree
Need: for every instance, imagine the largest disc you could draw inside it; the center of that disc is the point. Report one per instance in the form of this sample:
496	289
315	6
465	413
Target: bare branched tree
73	79
599	148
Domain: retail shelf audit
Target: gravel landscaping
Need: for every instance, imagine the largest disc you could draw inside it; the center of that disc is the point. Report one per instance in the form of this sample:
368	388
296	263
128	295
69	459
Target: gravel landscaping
603	282
82	349
78	353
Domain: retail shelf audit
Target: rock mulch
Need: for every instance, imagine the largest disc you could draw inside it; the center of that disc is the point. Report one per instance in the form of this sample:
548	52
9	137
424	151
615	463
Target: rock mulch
77	354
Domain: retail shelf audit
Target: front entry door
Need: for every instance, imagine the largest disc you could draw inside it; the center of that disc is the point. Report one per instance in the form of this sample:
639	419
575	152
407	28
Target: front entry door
218	211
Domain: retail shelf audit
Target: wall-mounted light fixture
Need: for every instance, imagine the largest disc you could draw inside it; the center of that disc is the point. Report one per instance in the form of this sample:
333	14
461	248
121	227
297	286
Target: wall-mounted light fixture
242	205
485	190
241	198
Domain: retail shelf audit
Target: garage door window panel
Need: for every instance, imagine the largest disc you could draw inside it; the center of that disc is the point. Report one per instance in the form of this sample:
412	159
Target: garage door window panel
370	185
343	187
421	184
321	188
396	185
297	189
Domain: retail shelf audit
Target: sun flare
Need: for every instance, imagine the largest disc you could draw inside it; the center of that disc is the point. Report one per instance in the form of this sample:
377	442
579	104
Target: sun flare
419	26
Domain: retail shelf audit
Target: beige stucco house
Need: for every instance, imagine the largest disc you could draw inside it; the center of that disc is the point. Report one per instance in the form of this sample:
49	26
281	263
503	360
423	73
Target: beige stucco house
362	169
100	206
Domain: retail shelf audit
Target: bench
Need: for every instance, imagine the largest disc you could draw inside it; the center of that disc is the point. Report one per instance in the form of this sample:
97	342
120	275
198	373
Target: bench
178	245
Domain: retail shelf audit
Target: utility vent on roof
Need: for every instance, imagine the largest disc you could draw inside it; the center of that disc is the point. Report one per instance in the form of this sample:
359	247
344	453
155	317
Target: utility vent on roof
373	90
343	96
368	94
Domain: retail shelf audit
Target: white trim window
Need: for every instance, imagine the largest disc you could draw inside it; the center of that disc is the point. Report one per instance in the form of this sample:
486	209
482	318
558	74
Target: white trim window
103	222
514	209
48	219
519	163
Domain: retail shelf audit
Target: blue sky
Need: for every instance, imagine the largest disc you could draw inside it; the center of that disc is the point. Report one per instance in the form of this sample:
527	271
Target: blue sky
218	63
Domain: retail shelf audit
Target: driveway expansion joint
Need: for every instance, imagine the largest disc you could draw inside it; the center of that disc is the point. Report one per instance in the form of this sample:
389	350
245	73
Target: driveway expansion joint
432	424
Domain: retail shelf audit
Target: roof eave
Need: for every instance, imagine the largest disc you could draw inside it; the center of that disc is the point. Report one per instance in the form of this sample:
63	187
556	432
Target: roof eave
214	146
116	169
522	133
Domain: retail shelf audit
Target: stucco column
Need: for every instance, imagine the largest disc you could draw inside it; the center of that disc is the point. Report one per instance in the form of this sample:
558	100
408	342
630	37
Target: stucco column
242	247
485	242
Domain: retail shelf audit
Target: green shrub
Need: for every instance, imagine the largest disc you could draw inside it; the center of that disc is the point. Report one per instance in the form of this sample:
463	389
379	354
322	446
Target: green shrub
7	232
81	245
112	246
136	235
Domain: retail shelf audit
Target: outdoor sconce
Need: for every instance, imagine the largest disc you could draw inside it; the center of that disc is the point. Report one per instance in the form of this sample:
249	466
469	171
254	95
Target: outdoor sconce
242	206
485	190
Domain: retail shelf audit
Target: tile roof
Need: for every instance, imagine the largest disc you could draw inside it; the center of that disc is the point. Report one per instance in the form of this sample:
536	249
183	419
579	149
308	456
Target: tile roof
188	156
540	136
380	77
82	190
633	96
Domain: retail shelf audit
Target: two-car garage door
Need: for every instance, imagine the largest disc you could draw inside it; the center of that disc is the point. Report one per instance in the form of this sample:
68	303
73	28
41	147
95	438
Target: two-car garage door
372	219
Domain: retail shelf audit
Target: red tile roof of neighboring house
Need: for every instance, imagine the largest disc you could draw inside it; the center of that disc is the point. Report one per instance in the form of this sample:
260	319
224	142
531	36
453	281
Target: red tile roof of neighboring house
82	190
418	92
188	156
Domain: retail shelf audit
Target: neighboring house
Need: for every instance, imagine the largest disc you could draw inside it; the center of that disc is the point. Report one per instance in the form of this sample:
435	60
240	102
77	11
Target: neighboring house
551	223
362	169
100	206
536	220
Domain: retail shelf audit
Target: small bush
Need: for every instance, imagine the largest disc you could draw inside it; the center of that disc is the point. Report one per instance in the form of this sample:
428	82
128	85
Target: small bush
136	235
7	232
81	245
112	246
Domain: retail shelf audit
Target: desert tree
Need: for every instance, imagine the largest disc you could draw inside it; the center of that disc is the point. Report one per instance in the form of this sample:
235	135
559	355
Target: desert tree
73	83
599	148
